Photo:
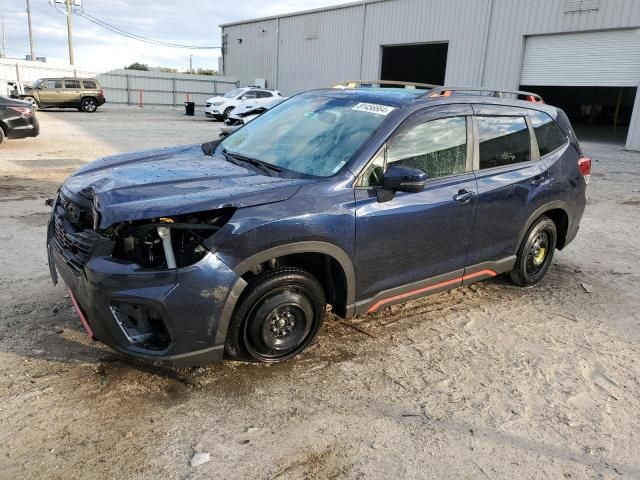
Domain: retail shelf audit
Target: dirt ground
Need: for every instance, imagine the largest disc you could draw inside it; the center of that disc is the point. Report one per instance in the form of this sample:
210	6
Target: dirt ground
484	382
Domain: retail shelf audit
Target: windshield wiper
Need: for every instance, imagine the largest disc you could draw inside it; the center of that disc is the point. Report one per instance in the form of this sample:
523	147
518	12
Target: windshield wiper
264	166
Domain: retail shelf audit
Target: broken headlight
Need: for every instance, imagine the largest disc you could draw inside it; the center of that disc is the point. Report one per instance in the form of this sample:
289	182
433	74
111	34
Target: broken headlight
167	242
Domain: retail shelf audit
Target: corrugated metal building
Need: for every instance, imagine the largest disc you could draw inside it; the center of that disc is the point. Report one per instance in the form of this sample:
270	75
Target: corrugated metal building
583	55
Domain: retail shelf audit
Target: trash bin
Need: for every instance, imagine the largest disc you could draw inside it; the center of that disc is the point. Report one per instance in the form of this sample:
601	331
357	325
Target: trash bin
190	108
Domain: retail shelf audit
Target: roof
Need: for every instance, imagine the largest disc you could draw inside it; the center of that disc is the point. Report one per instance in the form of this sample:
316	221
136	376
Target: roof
399	97
303	12
394	97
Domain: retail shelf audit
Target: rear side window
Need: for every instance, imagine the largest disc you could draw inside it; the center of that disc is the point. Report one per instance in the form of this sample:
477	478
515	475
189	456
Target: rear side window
262	94
89	84
503	141
437	147
72	84
549	135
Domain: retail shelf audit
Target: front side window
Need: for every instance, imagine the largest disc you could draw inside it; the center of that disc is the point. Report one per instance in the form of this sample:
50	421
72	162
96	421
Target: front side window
251	94
233	93
437	147
503	141
311	134
52	84
549	135
72	84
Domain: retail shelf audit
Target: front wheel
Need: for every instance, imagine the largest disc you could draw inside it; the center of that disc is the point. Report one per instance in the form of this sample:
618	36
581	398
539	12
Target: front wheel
89	105
277	318
536	253
34	103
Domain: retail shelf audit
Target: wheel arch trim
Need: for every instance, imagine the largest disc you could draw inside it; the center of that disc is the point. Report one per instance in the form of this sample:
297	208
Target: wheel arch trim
555	205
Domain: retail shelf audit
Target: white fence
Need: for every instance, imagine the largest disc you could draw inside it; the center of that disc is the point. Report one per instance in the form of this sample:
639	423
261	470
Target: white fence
127	86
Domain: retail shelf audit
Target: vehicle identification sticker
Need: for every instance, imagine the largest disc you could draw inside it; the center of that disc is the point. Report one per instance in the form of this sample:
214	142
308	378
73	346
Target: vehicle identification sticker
373	108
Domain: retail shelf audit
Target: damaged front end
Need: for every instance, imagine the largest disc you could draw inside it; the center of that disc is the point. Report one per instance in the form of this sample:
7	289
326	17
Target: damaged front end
131	281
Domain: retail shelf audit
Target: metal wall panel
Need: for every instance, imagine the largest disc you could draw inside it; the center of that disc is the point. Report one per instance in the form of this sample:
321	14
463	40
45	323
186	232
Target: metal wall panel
251	51
307	63
513	20
605	58
461	23
633	137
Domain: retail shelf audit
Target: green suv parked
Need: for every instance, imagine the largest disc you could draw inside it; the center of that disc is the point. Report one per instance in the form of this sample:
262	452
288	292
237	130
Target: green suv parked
85	94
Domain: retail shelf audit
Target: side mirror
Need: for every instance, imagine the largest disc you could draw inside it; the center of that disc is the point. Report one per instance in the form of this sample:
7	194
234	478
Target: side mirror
404	179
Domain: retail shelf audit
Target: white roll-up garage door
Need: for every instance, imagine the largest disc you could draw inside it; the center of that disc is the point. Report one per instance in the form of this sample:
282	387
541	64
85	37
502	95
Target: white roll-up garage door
599	59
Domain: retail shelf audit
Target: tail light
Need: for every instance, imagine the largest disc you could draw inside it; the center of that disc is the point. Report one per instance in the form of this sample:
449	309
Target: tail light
102	92
584	164
23	111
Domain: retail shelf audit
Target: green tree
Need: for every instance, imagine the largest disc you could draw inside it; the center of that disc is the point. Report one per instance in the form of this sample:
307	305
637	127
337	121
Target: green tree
138	66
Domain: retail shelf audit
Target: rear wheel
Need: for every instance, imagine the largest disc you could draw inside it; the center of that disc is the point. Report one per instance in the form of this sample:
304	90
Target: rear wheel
536	253
89	105
226	113
277	318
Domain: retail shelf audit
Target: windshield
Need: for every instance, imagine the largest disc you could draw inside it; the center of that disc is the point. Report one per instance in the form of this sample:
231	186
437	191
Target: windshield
308	134
234	93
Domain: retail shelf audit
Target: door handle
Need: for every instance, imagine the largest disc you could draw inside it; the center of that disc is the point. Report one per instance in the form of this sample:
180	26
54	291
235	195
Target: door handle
464	196
539	179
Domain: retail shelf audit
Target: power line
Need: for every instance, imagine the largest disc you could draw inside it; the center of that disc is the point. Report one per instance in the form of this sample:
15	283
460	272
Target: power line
140	38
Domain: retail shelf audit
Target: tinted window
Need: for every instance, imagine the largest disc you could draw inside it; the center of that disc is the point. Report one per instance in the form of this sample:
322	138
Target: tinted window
52	84
72	84
250	94
503	141
262	94
438	147
89	84
548	134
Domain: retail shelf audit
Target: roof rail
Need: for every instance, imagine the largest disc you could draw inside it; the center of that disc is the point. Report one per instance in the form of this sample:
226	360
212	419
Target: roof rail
368	83
447	91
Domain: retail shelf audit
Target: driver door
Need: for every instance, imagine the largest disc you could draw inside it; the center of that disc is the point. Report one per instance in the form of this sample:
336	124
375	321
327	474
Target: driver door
410	243
50	93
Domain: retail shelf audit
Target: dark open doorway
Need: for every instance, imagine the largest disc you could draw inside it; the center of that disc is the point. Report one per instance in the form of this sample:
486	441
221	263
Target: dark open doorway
596	113
423	63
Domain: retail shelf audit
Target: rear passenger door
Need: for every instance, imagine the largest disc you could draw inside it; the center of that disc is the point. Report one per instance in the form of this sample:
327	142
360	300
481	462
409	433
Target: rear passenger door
511	183
72	92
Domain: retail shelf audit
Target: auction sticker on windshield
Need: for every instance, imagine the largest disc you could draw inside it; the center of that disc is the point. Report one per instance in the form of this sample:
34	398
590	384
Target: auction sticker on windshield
373	108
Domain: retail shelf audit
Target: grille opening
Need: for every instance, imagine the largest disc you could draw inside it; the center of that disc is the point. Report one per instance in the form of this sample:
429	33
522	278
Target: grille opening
142	325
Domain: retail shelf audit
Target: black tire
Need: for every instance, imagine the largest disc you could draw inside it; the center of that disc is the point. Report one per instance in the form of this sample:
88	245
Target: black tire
1	135
89	104
226	113
277	317
34	103
536	253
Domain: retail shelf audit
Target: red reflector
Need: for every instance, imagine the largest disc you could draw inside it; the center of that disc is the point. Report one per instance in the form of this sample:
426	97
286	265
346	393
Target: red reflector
584	164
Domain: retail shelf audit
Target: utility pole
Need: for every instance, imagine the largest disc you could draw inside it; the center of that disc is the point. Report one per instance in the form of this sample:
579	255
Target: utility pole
33	55
69	28
4	40
191	64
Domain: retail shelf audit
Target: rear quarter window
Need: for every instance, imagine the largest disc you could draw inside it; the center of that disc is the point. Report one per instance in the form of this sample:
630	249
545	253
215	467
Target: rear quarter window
89	84
549	135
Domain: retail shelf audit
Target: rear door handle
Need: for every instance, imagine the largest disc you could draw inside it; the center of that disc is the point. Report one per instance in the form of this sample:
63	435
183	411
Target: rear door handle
539	179
464	196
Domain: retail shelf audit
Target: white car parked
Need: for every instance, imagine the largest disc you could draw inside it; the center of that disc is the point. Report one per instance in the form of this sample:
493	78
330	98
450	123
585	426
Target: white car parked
220	107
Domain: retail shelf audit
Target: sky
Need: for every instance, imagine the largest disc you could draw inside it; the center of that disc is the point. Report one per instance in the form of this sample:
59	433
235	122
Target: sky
192	22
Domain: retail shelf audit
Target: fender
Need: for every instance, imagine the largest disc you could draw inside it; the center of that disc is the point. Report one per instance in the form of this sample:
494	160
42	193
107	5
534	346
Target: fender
244	266
555	205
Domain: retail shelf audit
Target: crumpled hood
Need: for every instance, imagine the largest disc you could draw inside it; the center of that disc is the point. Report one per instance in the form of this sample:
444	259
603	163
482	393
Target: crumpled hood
172	181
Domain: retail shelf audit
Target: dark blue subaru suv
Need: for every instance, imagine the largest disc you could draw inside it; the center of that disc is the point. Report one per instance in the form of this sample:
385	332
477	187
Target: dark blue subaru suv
354	198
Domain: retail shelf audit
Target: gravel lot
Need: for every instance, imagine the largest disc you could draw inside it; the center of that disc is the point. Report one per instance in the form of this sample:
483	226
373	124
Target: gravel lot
484	382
